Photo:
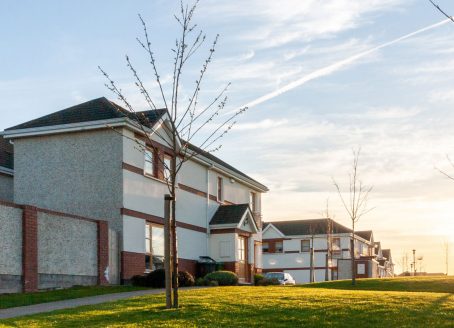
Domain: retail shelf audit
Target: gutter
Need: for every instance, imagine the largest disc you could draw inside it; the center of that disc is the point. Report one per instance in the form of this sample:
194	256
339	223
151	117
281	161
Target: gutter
7	171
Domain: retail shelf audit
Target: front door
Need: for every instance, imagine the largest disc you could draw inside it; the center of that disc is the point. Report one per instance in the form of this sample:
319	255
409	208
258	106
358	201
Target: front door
242	259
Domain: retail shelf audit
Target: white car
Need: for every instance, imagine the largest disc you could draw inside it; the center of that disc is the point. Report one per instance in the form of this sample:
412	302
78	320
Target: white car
282	277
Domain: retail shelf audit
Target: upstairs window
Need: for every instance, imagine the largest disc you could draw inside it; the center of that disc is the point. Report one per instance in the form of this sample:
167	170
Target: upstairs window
305	245
265	247
278	247
168	167
149	162
336	245
253	201
220	193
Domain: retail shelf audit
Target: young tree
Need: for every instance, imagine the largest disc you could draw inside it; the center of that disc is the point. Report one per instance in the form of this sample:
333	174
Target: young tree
355	204
187	117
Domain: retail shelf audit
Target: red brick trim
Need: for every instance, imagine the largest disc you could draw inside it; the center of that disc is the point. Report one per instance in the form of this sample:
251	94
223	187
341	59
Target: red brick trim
10	204
291	252
192	190
320	250
132	168
187	265
103	251
159	220
30	249
192	227
141	215
132	264
275	239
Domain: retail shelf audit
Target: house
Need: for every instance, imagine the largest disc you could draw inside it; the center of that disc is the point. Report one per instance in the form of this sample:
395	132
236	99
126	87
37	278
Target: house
317	250
83	164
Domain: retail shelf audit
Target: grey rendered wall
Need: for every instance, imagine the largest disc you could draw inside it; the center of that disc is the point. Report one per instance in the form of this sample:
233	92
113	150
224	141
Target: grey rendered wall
67	251
6	187
10	249
78	173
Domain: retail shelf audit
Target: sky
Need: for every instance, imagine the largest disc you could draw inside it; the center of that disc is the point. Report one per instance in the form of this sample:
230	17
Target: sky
316	91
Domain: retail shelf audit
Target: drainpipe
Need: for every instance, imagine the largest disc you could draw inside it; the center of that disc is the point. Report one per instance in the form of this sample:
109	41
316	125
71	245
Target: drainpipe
207	218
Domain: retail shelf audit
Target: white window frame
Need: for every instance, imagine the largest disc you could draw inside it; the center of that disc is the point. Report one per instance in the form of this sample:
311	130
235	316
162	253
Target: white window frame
149	158
220	189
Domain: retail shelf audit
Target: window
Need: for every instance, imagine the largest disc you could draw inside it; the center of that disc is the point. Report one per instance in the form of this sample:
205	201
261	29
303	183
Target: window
154	247
336	246
361	268
224	248
265	247
278	247
149	162
220	189
241	249
168	167
253	201
305	245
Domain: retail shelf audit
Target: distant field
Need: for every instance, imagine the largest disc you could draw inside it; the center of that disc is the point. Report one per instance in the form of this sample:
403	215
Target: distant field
275	306
440	284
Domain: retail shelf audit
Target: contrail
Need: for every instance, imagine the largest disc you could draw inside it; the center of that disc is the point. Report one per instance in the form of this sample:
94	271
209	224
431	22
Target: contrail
336	66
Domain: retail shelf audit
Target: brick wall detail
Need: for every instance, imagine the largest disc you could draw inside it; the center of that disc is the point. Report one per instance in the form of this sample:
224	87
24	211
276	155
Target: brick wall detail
30	249
103	251
132	264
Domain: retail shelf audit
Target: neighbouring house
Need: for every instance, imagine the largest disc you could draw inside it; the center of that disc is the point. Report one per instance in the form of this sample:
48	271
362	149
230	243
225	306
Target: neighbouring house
81	166
317	250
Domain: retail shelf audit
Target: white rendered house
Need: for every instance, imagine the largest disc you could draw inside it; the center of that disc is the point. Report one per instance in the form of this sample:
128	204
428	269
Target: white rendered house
317	250
84	161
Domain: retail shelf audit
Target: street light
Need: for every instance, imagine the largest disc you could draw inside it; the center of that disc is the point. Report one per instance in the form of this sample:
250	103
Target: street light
414	262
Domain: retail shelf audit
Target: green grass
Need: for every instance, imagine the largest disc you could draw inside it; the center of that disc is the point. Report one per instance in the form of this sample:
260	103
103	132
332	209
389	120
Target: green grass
272	306
440	284
13	300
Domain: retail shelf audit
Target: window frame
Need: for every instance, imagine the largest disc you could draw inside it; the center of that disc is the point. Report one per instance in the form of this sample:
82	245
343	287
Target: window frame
165	158
336	251
276	248
303	250
268	247
151	161
220	189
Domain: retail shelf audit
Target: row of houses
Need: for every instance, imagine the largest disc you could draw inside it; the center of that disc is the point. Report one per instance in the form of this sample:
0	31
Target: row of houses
80	203
320	250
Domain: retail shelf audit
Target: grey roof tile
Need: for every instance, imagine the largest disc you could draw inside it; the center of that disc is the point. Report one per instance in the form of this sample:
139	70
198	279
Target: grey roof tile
229	214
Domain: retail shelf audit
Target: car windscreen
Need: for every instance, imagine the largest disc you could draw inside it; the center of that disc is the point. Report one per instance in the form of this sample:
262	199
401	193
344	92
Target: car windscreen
274	275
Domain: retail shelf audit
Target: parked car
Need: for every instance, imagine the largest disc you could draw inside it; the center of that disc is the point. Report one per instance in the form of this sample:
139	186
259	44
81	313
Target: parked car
283	278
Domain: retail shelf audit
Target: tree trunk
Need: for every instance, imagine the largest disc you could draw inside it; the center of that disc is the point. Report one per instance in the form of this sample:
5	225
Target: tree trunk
167	260
174	231
353	257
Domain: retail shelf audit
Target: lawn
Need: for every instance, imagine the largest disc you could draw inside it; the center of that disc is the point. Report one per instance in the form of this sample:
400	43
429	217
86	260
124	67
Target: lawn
13	300
274	306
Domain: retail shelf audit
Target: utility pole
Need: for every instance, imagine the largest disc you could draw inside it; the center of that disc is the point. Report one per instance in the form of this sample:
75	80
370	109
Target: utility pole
414	262
167	250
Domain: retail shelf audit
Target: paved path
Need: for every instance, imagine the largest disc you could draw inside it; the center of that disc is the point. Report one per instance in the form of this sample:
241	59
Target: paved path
66	304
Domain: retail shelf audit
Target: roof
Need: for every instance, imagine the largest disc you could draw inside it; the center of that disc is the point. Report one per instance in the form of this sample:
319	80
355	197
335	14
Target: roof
307	227
386	253
103	109
221	162
367	234
6	154
229	214
93	110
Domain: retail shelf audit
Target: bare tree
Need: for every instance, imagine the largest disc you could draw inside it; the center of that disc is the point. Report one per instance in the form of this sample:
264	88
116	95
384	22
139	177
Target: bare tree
186	118
355	204
441	10
329	238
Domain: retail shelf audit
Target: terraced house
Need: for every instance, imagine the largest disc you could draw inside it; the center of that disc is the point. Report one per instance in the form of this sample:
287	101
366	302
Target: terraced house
320	250
82	204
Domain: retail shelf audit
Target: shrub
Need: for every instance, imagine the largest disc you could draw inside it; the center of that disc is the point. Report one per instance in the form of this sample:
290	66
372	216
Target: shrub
156	279
213	283
224	278
200	282
138	280
185	279
268	282
258	278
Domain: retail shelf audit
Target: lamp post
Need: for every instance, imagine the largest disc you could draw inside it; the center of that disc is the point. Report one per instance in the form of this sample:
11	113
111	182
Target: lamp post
414	262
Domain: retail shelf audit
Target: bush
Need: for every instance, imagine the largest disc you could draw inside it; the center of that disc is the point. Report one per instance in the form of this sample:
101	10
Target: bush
213	283
258	278
185	279
268	282
200	282
224	278
138	280
156	279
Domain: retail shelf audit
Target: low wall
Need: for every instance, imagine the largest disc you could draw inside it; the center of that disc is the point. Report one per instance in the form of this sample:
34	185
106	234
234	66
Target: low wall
42	249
